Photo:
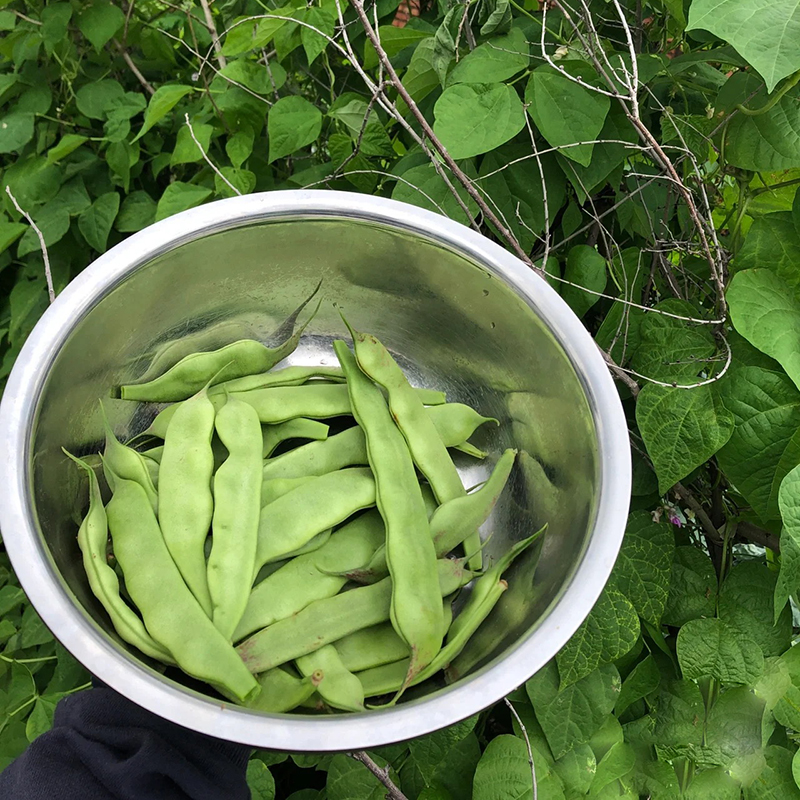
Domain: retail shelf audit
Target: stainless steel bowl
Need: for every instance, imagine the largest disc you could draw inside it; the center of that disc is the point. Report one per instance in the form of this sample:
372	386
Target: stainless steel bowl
460	312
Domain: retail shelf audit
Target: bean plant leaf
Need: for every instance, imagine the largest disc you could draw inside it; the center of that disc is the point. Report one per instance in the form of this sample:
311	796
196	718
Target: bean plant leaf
349	779
180	196
99	22
643	680
186	149
789	576
16	130
692	587
681	428
393	41
95	223
138	211
776	780
260	780
161	103
764	311
571	715
610	631
41	718
585	268
423	186
766	32
773	243
566	112
475	118
10	232
292	123
711	648
498	59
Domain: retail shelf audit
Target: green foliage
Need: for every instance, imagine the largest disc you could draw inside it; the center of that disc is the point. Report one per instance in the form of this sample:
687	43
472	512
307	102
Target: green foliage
681	682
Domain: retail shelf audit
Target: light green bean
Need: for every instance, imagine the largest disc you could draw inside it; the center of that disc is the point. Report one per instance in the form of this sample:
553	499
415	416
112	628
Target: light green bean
281	691
103	581
237	509
300	428
339	688
180	625
288	376
186	504
416	610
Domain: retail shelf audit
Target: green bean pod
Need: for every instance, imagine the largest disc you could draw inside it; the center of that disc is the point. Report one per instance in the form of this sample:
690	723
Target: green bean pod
288	376
416	610
292	520
154	453
328	620
186	505
119	459
237	508
153	468
103	581
427	449
380	644
339	688
307	578
281	691
454	422
452	522
311	546
383	679
193	372
300	428
180	625
274	488
160	425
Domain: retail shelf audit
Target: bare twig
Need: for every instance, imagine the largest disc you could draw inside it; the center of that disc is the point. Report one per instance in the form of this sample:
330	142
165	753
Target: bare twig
27	19
382	774
133	68
527	743
48	274
208	160
212	29
700	513
758	535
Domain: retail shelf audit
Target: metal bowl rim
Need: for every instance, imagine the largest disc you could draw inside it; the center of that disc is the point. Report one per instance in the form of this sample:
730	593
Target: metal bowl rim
83	638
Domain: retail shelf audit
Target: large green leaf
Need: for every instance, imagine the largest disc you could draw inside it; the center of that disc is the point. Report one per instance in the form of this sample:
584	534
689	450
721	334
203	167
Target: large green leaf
572	715
260	780
161	103
99	21
475	118
393	41
768	141
762	449
765	32
500	58
566	112
764	311
95	223
504	773
789	575
349	779
423	186
610	631
681	428
712	648
775	781
180	196
586	269
16	130
292	123
642	681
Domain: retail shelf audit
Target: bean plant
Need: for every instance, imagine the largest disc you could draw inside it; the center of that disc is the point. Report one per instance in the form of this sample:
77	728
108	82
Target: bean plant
643	156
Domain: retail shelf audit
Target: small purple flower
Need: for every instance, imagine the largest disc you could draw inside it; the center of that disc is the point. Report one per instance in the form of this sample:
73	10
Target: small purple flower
675	519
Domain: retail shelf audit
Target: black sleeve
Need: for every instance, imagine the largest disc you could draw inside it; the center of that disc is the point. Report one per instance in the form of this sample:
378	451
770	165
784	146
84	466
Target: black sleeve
104	747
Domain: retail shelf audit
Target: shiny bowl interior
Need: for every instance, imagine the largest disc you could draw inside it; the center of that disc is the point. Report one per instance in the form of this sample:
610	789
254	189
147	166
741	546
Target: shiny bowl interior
459	313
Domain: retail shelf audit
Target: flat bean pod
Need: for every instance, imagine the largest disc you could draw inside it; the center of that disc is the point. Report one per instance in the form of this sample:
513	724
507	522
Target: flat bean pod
181	625
300	428
119	459
103	581
281	691
452	522
186	505
288	376
237	508
427	449
326	621
416	610
308	578
292	520
454	422
311	545
193	372
274	488
339	688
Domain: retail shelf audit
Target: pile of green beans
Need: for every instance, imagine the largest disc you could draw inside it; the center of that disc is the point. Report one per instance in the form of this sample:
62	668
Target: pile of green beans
286	565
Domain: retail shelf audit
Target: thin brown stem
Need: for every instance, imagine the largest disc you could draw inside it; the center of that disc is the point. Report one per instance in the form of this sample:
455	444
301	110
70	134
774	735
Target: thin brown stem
212	29
133	68
381	773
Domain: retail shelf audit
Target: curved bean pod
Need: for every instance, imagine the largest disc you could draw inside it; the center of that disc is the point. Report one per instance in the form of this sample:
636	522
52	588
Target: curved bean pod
274	488
339	688
288	376
103	581
181	626
454	422
292	520
186	504
311	546
119	459
282	691
416	610
237	508
300	428
308	578
429	453
193	372
325	621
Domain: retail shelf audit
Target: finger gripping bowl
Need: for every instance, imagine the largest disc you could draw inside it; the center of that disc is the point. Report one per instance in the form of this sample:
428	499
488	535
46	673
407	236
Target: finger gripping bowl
459	312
